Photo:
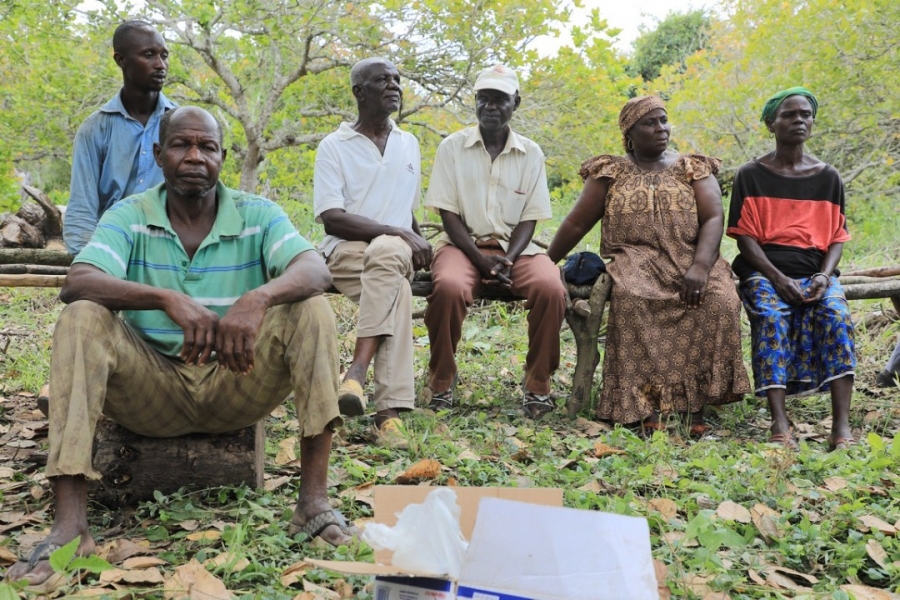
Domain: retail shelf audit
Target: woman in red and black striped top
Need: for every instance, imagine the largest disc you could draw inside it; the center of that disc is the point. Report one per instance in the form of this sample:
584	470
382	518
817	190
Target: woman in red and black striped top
787	215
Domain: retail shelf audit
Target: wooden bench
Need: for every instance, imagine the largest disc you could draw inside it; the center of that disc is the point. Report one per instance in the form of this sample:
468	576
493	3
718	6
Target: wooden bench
192	459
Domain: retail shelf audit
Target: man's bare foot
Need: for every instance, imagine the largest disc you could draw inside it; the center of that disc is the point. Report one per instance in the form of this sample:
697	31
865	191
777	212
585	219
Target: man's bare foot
320	520
36	569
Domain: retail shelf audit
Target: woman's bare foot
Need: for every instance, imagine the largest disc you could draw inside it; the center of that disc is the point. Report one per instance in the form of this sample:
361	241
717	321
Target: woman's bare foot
37	569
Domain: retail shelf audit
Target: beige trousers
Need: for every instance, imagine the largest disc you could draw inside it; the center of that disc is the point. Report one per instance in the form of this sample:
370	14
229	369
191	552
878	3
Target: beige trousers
100	365
376	275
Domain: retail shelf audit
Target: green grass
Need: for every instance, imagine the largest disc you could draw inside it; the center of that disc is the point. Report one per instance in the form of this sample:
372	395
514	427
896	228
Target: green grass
819	530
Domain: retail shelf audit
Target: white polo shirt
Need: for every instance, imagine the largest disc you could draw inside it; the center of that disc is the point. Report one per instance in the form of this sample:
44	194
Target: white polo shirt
491	197
352	174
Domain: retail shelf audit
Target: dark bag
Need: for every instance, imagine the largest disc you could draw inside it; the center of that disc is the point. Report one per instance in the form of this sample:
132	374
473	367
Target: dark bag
583	268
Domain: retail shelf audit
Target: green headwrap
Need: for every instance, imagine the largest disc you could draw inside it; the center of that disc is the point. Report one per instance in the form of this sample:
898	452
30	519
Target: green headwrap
772	104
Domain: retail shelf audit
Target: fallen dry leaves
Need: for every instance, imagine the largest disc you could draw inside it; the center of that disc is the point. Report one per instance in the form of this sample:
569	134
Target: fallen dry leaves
148	576
193	582
766	521
732	511
835	484
667	508
877	553
662	573
287	451
874	523
210	535
117	551
427	468
294	573
864	592
601	450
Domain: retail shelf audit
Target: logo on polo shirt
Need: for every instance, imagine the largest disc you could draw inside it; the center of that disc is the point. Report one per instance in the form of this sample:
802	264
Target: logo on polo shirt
411	169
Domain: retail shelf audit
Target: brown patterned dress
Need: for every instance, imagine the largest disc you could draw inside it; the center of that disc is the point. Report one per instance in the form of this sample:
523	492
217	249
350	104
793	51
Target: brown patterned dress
660	355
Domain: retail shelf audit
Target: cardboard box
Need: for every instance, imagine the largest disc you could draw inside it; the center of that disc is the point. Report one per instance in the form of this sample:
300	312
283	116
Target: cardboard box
525	552
392	583
523	546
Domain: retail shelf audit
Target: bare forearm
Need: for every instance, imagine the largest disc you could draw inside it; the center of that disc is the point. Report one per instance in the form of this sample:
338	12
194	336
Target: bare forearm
832	258
459	235
754	255
354	228
708	242
519	239
305	277
567	237
85	282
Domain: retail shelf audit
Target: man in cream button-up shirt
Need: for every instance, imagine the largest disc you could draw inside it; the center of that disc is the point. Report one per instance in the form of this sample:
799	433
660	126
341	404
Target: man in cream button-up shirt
490	187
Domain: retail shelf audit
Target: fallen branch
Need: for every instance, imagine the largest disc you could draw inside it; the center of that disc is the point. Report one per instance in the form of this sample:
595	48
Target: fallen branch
32	269
35	256
874	272
868	291
29	280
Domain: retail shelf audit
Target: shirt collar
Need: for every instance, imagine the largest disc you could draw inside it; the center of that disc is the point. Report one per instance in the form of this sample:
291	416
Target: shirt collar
229	221
115	106
345	130
513	141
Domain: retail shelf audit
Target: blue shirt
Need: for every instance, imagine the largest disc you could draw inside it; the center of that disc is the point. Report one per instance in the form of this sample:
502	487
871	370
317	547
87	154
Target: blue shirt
251	242
112	159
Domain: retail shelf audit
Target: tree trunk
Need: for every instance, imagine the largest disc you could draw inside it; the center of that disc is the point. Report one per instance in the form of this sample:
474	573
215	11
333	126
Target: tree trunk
19	233
133	466
53	223
585	325
250	168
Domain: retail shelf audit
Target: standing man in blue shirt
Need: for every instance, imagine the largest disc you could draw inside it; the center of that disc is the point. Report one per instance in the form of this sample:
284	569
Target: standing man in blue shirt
113	154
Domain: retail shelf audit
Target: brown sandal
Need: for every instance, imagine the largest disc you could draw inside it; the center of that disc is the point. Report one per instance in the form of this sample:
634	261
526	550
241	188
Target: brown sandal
785	439
699	430
841	443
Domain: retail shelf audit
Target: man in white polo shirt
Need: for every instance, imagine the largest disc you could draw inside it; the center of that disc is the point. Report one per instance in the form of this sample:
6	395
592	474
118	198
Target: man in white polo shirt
490	187
366	186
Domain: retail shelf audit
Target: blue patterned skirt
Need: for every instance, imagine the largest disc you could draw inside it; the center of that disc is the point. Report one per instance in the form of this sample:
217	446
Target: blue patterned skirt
799	348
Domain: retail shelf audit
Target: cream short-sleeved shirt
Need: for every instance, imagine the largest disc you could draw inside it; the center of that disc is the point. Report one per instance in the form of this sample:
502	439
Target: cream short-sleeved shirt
351	173
491	197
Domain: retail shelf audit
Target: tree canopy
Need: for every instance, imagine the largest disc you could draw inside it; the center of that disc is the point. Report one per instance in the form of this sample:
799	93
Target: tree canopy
674	39
277	74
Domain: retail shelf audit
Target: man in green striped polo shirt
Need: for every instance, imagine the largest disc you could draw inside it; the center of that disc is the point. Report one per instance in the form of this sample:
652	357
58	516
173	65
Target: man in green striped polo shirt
222	317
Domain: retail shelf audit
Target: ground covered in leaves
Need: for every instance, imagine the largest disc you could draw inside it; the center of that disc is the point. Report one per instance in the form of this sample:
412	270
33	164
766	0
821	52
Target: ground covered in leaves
730	516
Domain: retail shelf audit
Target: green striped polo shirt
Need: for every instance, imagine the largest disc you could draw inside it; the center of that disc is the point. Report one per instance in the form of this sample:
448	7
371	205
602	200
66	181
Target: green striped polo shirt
251	242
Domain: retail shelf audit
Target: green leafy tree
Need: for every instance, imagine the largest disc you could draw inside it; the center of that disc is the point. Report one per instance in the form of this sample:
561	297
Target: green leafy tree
675	38
846	54
278	71
53	73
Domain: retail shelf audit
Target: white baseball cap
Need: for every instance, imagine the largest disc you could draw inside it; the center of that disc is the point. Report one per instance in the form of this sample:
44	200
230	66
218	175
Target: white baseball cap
498	77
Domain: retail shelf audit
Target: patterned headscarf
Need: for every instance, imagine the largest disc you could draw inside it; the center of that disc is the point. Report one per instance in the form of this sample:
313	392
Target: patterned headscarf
634	110
772	104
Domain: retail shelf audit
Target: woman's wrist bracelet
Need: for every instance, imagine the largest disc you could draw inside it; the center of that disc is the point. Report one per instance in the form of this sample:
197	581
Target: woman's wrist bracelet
814	275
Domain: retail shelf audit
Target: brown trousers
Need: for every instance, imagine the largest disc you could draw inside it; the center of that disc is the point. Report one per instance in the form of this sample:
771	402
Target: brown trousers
455	281
100	365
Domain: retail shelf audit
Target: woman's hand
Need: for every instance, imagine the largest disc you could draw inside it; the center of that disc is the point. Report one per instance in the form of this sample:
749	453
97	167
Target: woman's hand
816	289
693	288
789	290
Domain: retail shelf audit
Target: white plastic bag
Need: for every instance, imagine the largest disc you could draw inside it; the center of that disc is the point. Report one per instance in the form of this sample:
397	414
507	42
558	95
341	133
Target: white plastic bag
426	538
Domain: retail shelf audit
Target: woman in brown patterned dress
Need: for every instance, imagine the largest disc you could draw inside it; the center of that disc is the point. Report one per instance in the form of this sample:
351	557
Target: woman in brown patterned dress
673	342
